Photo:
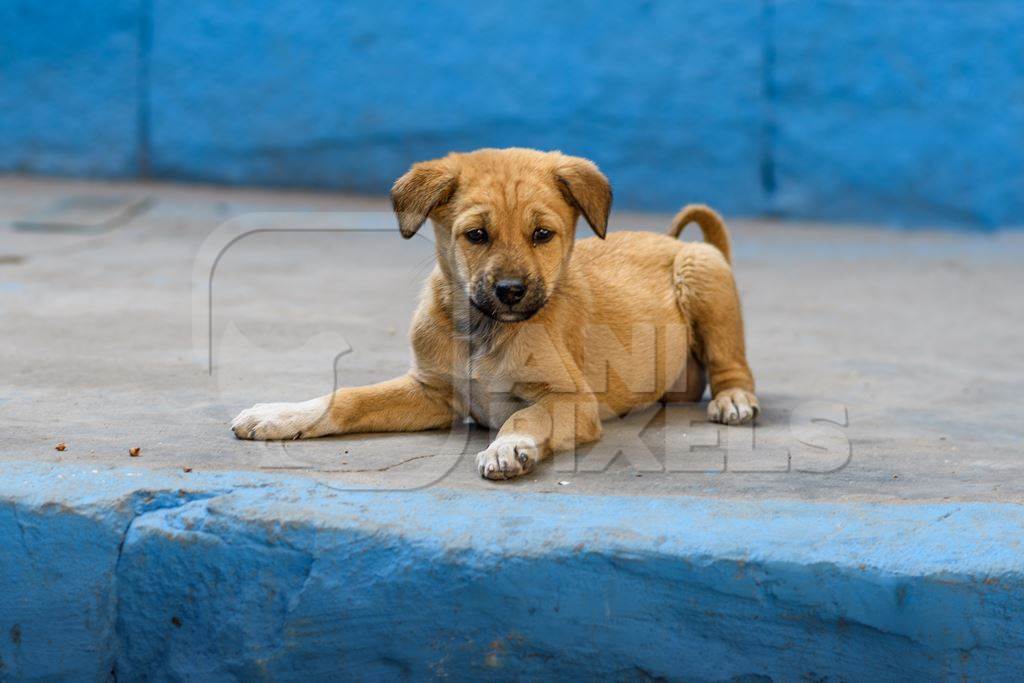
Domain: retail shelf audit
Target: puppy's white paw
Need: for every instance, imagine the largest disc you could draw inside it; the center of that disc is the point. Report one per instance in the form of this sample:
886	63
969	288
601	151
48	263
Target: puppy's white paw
508	457
733	407
271	421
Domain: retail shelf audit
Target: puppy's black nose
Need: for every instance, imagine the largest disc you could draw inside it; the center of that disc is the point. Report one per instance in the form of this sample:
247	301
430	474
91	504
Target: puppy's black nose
510	291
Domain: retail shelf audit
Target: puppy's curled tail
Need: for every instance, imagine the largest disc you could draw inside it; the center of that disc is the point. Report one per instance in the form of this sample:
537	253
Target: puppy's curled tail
710	223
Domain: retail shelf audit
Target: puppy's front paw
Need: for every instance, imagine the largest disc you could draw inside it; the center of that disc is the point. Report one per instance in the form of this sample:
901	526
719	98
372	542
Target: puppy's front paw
733	407
508	457
271	421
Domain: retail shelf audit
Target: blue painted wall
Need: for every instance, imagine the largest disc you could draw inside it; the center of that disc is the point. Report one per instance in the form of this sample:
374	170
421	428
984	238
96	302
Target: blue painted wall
897	112
69	87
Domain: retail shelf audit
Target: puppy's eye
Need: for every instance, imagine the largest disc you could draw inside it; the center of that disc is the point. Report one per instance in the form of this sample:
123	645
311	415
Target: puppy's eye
542	235
477	236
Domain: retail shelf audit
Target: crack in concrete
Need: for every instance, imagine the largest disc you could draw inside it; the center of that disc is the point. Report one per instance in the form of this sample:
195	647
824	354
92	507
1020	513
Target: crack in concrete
385	468
292	603
21	529
141	505
394	465
183	500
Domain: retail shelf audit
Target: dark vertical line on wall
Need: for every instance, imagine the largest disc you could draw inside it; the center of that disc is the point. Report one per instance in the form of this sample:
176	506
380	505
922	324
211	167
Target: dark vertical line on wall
142	121
768	177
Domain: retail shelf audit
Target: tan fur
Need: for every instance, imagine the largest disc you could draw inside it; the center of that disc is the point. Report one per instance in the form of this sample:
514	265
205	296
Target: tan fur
621	322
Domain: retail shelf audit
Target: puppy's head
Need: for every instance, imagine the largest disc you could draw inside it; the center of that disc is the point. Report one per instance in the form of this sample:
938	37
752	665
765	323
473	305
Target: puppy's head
505	221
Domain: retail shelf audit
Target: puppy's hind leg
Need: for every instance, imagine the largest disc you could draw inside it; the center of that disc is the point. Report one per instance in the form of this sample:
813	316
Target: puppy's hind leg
706	293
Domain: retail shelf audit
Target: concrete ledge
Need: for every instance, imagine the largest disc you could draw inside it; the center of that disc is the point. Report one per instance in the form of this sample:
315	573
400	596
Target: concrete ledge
154	574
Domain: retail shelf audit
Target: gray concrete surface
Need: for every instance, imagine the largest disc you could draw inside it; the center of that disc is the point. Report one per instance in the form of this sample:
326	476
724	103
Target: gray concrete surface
888	364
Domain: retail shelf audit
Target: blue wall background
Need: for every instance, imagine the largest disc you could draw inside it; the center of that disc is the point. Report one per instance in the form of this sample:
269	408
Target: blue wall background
902	112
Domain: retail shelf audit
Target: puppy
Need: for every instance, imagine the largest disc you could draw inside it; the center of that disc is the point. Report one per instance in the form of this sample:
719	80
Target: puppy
535	334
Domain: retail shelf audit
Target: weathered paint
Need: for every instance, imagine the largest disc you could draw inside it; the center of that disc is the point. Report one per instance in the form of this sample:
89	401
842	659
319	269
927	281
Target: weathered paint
69	87
161	575
904	113
349	94
900	112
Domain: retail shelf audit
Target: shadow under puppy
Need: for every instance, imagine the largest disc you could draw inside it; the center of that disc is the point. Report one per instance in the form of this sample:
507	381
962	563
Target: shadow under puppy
525	329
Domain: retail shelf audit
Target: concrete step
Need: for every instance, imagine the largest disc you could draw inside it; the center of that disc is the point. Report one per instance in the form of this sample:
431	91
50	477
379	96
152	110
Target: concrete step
180	576
867	528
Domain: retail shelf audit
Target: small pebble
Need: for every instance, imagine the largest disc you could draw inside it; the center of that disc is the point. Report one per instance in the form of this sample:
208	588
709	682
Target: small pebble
186	469
564	483
134	451
60	447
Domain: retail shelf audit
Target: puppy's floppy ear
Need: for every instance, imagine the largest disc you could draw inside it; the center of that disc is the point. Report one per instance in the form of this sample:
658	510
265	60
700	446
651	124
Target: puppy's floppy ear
586	188
422	189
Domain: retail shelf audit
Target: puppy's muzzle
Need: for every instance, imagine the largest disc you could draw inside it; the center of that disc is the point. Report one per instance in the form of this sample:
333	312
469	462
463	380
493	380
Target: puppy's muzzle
509	298
510	292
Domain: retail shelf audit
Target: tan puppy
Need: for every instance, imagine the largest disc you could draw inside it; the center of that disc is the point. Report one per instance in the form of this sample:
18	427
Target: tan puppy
524	330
